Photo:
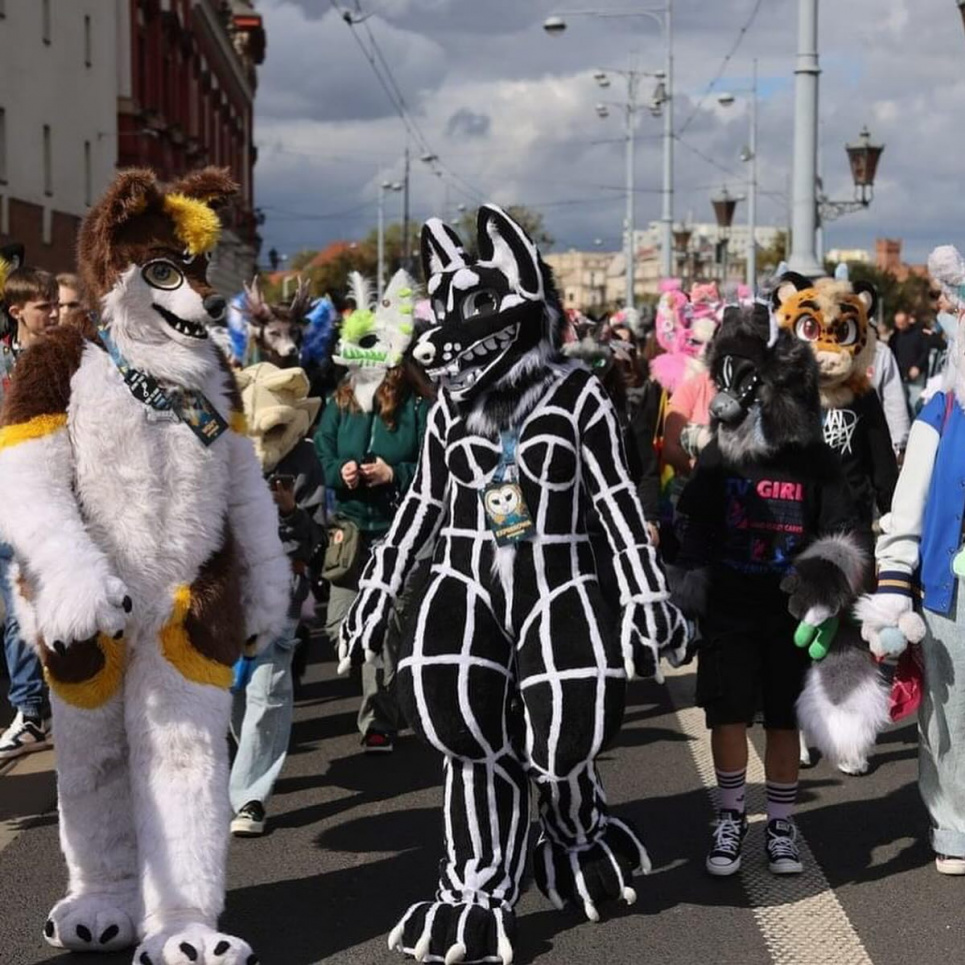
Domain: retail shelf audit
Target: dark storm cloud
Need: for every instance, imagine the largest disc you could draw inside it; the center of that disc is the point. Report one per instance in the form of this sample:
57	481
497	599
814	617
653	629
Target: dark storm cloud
467	123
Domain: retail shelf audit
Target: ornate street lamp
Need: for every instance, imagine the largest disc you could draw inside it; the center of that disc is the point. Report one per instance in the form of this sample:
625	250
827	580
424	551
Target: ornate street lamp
863	156
725	204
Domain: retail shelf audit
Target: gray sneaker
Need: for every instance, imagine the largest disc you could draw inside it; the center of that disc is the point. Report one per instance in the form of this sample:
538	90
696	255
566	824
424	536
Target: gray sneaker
24	736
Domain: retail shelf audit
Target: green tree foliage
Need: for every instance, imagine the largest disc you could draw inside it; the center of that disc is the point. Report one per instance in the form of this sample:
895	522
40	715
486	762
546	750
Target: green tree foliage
770	257
910	295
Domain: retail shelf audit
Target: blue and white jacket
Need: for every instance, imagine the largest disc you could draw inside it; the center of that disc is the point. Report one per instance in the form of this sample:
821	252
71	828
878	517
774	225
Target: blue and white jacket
923	533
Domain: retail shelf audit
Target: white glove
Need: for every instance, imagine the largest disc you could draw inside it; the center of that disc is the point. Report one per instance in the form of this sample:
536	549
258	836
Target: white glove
880	613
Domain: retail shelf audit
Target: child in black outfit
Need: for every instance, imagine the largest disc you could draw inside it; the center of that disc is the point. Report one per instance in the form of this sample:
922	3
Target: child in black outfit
767	512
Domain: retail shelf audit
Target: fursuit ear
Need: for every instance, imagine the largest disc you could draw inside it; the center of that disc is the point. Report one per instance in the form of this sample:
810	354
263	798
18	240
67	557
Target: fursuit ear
130	194
214	186
442	248
868	295
788	285
505	245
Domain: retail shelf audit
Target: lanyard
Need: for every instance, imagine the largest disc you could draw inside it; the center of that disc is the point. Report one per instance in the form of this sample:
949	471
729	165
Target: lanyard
506	469
192	408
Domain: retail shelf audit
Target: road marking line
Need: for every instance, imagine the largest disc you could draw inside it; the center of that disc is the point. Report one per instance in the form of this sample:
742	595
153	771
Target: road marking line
799	916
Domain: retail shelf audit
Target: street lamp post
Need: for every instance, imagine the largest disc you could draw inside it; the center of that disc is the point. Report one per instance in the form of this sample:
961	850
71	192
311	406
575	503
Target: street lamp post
863	158
724	206
750	155
663	99
380	272
804	257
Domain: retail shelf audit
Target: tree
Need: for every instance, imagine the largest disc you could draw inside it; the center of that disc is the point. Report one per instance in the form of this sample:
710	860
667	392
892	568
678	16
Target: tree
894	295
770	257
529	220
300	260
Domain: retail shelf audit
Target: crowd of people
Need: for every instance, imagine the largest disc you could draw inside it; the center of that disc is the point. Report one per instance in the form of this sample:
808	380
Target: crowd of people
337	404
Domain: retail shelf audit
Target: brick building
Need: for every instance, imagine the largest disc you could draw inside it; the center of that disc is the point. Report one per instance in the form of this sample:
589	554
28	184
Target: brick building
90	85
186	98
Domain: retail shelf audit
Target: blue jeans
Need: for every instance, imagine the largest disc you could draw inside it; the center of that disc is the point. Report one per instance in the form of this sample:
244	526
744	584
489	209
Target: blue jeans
261	722
28	693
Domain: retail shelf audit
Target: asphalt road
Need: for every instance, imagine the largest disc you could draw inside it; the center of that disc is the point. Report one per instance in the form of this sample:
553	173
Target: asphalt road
354	840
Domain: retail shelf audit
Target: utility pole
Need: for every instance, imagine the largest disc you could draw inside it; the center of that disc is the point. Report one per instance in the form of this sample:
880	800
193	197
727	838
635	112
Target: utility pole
406	240
804	257
666	248
752	193
631	120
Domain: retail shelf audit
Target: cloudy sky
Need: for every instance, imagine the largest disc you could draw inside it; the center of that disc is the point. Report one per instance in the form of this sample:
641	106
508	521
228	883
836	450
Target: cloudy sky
510	113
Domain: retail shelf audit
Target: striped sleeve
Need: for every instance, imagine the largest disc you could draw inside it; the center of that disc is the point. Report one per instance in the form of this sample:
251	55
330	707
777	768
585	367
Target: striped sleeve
614	497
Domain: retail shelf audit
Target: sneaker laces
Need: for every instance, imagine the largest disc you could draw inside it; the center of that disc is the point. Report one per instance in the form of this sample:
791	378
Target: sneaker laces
782	846
727	834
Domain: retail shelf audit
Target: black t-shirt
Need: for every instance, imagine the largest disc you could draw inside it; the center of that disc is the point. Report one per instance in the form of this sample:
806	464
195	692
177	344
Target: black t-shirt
859	434
748	523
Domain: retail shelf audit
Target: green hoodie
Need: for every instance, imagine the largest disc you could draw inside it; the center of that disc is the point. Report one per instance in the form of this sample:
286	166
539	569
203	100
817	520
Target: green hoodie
344	436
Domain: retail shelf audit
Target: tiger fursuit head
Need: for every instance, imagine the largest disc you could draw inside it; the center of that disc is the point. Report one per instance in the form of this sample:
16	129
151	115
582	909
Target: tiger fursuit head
148	558
834	317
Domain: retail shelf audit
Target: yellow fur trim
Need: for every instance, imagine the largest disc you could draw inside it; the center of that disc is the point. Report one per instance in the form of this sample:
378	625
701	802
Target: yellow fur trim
179	651
5	269
94	693
195	223
238	423
35	428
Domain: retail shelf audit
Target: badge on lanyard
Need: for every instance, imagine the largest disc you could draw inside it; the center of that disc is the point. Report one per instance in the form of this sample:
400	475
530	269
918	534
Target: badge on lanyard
192	408
507	515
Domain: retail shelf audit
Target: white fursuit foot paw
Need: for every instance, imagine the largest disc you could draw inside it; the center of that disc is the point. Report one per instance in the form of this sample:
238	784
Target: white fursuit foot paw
194	945
90	923
804	752
855	767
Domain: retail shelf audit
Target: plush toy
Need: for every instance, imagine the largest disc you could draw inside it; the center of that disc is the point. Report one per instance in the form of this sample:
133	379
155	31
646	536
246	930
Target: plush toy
278	409
509	670
833	316
149	555
375	336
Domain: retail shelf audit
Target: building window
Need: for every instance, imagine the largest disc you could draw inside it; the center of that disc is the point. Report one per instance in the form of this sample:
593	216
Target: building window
45	20
88	49
88	175
3	146
48	163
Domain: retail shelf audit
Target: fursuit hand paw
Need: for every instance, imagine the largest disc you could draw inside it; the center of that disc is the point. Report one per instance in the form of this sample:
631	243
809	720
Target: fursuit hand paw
83	611
433	931
649	631
363	630
889	623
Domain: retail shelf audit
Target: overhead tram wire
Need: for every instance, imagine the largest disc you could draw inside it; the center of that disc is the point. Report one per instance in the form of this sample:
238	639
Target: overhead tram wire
391	88
720	73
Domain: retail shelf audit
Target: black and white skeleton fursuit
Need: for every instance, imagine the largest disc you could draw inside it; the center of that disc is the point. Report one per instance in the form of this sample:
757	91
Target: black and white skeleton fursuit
510	668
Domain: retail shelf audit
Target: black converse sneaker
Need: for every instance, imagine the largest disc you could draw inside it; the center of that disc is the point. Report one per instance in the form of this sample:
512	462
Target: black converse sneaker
23	736
780	844
725	856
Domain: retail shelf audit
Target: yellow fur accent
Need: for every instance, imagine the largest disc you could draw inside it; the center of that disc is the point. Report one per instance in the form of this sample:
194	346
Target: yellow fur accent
238	423
35	428
195	223
5	269
94	693
178	650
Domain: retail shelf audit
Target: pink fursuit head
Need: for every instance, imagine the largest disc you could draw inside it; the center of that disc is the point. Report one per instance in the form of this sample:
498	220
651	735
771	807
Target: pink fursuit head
684	328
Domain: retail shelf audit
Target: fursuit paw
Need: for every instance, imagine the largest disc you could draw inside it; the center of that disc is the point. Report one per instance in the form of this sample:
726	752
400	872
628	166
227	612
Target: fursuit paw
91	923
804	752
433	931
363	630
587	876
88	609
193	945
888	624
649	631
